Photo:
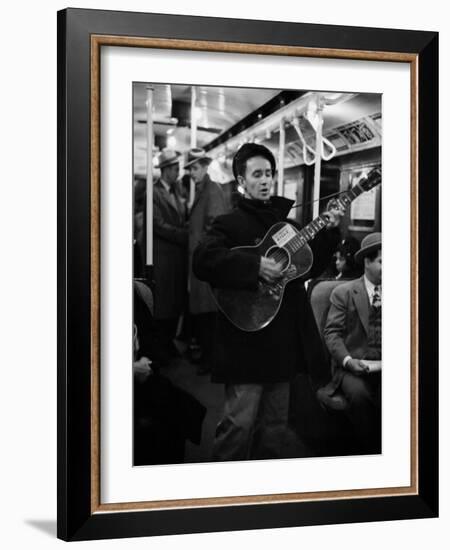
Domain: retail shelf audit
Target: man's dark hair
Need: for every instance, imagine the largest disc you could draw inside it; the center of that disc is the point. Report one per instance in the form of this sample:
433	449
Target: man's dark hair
248	151
372	255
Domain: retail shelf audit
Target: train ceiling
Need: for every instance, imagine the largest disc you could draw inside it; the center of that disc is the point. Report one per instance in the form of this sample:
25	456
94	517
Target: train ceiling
217	110
350	125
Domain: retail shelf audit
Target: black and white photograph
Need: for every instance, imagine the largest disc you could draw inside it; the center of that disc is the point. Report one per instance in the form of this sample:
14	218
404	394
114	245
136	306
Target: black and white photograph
257	273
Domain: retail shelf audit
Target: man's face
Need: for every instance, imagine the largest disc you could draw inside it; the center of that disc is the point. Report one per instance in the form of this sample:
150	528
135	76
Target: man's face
170	174
257	182
198	171
372	269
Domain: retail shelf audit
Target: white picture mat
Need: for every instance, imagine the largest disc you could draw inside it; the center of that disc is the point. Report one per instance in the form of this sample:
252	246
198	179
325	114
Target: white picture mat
120	482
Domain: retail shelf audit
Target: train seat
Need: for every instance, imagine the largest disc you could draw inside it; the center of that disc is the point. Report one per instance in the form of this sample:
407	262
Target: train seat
327	431
319	292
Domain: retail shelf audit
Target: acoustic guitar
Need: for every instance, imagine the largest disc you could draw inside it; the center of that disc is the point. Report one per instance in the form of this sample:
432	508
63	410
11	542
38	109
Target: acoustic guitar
252	310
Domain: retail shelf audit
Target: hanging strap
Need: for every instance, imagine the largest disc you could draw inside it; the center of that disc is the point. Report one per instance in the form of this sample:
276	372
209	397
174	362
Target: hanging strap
303	127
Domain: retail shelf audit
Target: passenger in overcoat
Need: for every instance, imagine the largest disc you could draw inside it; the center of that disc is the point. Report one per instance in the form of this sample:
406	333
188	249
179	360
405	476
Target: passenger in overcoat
257	367
170	251
209	202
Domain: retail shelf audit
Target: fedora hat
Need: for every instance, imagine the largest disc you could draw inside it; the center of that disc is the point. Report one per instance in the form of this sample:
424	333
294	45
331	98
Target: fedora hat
370	243
195	154
167	157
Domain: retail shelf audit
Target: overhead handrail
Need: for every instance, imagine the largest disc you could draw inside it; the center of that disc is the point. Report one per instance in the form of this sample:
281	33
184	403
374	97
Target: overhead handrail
303	127
269	124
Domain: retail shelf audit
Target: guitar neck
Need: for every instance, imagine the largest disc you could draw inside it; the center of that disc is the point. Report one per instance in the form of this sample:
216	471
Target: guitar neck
310	231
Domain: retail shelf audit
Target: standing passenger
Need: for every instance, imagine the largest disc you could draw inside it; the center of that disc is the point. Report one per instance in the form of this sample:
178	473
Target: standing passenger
209	202
170	254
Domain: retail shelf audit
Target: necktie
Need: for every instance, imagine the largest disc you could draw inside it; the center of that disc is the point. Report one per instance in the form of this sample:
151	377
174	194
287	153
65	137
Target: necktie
374	333
376	298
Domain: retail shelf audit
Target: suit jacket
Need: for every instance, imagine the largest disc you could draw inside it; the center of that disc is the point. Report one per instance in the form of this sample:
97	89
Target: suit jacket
170	241
210	202
347	324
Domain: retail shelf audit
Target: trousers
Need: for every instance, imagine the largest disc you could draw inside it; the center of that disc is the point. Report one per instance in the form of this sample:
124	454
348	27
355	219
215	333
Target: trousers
363	394
253	421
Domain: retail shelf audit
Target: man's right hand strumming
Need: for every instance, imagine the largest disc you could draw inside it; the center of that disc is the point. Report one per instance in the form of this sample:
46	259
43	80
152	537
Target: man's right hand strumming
269	269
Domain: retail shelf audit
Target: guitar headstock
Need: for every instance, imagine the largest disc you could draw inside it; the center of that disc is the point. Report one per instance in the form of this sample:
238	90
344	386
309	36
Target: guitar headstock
372	180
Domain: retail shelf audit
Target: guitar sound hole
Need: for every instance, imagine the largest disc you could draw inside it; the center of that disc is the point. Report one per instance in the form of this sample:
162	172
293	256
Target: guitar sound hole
280	255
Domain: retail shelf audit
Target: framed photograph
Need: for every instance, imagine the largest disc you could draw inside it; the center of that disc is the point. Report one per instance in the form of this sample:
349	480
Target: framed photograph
229	357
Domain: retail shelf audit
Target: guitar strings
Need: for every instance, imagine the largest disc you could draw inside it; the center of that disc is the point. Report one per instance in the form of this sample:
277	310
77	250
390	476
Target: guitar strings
279	254
319	199
331	195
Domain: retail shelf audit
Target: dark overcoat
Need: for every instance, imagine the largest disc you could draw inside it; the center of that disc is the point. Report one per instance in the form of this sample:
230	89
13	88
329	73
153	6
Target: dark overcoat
209	202
170	257
290	342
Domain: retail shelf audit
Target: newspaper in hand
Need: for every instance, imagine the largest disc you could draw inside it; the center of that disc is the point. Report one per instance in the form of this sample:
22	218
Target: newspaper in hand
372	366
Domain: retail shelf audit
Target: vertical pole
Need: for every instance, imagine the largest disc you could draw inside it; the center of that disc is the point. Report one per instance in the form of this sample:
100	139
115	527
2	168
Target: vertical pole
193	117
193	140
280	186
318	163
149	185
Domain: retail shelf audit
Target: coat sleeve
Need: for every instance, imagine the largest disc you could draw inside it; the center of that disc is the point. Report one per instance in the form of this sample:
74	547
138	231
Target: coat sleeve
335	330
216	206
215	261
166	230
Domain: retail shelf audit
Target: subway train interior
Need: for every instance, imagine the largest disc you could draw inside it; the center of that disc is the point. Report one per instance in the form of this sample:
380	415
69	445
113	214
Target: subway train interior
325	143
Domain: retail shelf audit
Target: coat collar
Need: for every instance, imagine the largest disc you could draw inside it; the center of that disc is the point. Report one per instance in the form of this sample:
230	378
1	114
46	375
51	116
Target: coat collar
361	300
199	189
280	206
171	199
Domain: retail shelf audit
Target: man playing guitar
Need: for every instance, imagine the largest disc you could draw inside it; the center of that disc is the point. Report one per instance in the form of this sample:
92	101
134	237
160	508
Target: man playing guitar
257	366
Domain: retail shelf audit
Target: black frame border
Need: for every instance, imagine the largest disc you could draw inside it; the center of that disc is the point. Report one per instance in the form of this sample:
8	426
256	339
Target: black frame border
75	520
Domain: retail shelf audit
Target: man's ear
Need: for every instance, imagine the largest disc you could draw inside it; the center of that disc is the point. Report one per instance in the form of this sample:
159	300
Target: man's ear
241	181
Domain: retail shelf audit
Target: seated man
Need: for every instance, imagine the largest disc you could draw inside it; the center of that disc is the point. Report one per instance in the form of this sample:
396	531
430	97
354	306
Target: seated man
164	415
353	337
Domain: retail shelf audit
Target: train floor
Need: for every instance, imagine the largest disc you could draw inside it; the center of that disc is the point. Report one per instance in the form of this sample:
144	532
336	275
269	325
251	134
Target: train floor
183	374
312	432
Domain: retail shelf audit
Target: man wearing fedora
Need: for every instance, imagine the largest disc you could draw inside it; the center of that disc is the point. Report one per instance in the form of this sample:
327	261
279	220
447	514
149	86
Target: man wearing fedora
353	337
170	242
209	202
